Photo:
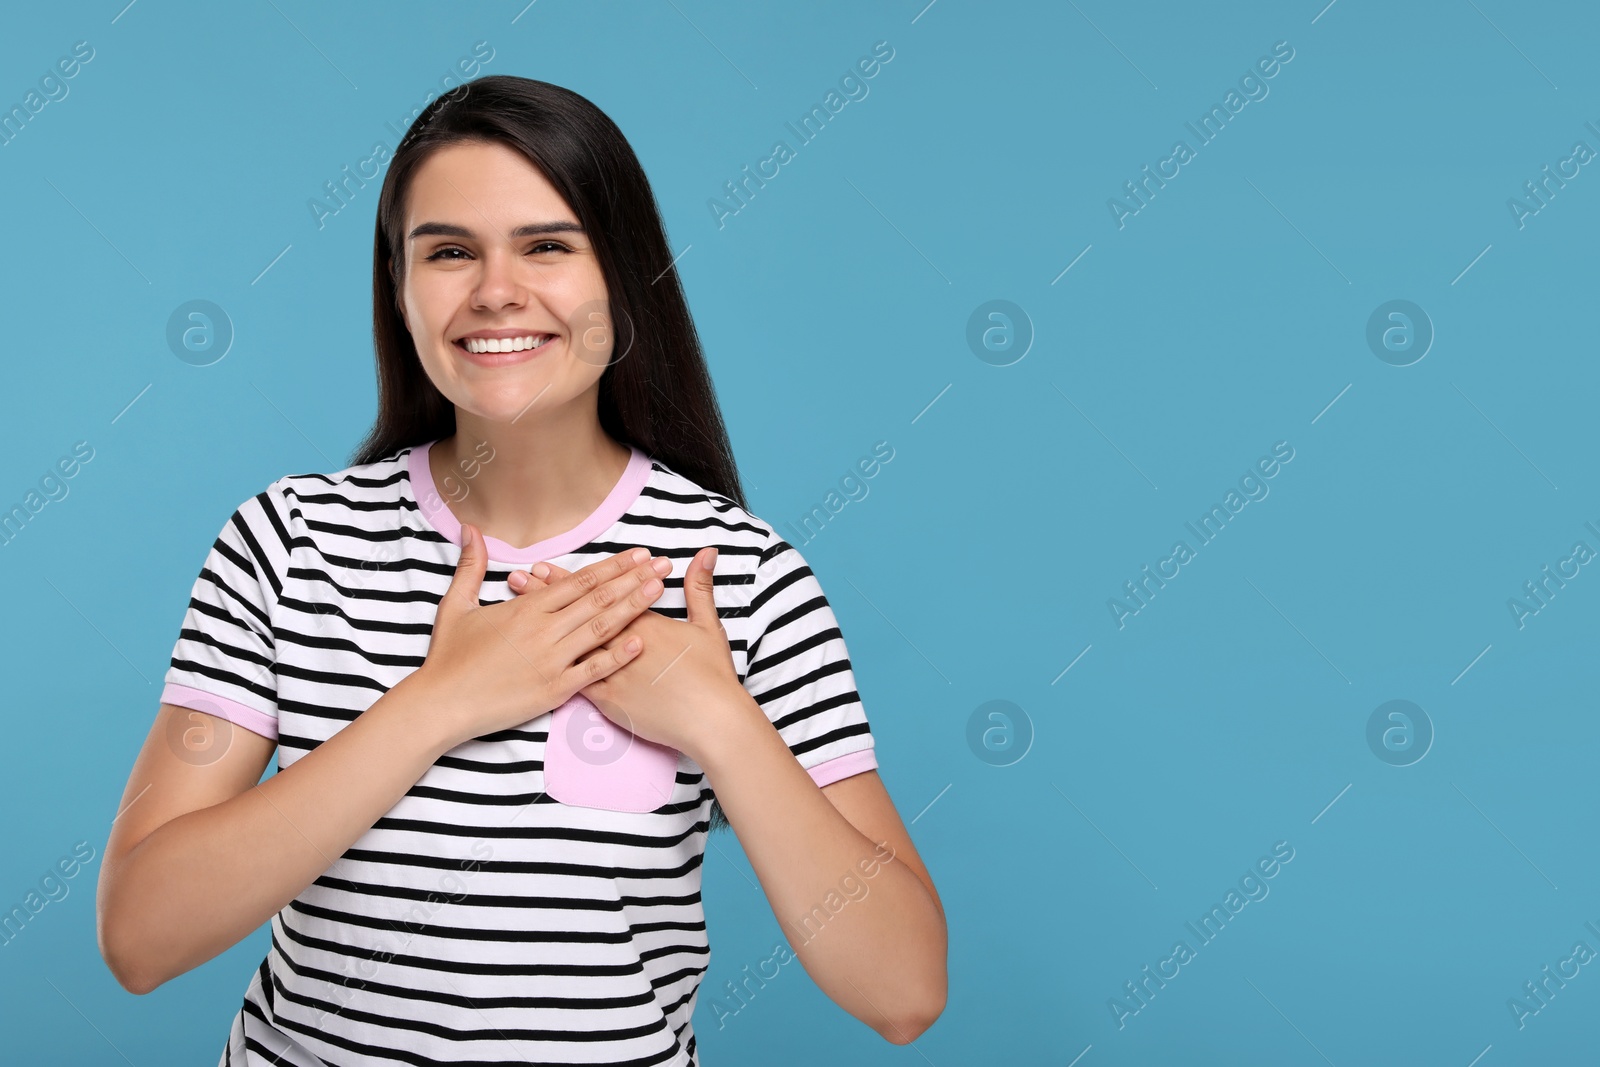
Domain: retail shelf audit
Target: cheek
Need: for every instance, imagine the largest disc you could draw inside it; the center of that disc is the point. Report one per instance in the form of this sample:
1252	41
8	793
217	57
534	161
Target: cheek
591	341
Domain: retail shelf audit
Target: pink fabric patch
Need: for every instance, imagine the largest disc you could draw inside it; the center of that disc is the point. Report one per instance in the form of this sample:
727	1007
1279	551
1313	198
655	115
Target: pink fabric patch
592	762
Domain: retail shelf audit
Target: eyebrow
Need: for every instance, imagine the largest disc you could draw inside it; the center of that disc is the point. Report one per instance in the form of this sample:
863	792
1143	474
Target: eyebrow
530	229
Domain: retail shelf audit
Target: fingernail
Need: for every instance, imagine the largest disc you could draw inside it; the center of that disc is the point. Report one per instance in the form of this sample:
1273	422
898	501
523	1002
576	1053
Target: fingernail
541	570
639	555
517	580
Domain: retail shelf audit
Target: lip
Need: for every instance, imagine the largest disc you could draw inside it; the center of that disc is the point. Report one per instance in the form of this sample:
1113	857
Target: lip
505	359
502	333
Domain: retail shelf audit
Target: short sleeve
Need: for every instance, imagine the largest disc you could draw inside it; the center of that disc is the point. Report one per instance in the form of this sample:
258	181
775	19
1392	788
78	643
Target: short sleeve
225	660
799	669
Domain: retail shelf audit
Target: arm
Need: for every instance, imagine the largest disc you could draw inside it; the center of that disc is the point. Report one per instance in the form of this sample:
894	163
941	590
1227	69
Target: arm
199	856
202	855
879	951
836	863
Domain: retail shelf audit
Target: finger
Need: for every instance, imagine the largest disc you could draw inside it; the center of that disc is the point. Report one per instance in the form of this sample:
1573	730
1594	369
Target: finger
586	580
467	582
699	589
600	616
523	581
604	661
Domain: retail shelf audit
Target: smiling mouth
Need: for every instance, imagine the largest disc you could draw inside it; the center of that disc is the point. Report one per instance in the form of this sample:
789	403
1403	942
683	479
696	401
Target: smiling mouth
486	345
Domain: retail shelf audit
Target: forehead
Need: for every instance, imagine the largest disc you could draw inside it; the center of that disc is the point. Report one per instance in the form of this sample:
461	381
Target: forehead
478	182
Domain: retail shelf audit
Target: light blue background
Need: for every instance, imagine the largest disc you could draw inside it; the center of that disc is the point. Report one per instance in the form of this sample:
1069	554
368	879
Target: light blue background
1227	315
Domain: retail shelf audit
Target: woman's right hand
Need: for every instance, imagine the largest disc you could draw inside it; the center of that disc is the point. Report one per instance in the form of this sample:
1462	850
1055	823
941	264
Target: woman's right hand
495	666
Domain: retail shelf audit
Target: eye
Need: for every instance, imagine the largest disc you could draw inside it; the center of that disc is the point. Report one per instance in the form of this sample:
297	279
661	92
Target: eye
541	246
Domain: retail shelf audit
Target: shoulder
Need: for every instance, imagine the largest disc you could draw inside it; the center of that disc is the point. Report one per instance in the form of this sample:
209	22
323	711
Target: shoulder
363	479
755	563
739	534
294	509
364	486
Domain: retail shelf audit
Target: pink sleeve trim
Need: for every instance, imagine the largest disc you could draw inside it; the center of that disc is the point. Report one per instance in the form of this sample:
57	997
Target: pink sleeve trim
257	722
830	771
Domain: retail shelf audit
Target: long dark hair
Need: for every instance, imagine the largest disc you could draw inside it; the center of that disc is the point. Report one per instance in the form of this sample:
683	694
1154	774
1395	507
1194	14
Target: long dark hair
656	394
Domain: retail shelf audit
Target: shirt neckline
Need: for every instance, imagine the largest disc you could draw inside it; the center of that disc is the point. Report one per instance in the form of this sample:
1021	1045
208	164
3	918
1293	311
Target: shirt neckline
437	514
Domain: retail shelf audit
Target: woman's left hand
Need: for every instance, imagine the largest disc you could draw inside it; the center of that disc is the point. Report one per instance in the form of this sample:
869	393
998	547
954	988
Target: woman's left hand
672	692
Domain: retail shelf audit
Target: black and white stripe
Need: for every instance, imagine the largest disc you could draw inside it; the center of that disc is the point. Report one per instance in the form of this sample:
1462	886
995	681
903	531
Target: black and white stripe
480	920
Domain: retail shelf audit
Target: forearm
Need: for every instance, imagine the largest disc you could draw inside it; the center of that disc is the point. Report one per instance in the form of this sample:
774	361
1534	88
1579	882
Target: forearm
874	943
200	883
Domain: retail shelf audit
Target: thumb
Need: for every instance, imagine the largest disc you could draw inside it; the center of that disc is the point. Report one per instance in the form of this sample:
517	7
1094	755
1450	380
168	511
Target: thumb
698	589
462	596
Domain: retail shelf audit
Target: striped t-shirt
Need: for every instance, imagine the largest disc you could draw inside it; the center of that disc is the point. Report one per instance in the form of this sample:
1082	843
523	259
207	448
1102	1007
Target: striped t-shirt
490	916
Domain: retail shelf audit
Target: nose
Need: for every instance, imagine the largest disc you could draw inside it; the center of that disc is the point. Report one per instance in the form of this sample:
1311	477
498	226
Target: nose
500	281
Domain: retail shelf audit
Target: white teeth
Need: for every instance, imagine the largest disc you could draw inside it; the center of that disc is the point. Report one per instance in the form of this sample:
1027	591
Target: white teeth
506	344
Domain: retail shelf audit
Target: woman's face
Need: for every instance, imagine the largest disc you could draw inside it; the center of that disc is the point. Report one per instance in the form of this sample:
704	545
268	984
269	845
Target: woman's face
470	272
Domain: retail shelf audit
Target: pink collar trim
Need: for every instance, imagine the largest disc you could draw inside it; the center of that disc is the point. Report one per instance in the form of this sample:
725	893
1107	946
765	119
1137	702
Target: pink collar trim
436	511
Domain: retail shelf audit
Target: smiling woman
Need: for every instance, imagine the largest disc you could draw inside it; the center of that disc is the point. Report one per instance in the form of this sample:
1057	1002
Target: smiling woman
502	749
460	291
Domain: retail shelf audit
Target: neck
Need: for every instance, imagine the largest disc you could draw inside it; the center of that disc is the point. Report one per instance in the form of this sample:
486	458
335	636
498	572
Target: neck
529	479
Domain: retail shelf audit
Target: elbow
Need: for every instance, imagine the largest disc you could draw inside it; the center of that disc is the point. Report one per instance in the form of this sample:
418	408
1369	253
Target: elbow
924	997
912	1025
133	985
120	960
127	977
908	1030
134	982
135	954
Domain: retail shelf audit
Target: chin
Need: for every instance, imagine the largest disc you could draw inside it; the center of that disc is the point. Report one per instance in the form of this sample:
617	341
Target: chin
506	404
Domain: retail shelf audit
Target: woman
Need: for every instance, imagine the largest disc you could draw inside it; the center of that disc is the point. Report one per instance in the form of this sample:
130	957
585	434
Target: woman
497	763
